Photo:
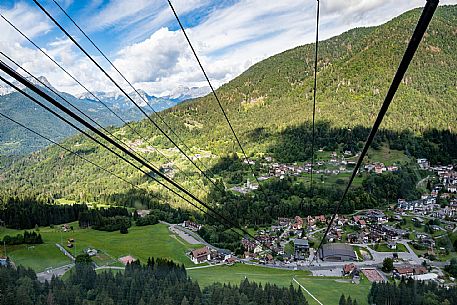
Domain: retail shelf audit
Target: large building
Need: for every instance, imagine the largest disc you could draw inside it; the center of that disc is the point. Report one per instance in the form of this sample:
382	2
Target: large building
301	249
200	255
337	253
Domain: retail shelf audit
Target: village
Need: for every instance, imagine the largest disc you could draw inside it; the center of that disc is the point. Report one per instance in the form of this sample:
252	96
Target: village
413	234
332	165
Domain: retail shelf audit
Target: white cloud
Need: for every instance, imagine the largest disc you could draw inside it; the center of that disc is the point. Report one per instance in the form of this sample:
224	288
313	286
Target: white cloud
228	40
155	58
25	17
139	16
117	12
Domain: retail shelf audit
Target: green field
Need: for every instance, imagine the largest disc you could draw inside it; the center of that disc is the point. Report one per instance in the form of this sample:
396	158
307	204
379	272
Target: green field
140	242
387	156
325	289
384	248
37	257
235	274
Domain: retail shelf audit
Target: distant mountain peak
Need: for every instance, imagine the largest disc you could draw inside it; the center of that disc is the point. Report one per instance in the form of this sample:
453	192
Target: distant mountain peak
41	81
181	93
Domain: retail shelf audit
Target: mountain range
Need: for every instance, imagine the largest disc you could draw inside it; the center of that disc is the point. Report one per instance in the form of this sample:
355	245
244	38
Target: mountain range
269	100
14	140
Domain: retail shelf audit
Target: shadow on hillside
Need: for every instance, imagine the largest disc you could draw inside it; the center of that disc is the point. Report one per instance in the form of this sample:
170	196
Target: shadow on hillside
294	144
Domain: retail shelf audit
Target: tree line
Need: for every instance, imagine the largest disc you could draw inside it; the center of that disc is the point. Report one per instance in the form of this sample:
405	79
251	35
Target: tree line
105	219
27	213
411	292
289	197
29	238
157	282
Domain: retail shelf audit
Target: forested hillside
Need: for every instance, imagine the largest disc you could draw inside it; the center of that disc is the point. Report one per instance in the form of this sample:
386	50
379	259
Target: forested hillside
271	103
14	140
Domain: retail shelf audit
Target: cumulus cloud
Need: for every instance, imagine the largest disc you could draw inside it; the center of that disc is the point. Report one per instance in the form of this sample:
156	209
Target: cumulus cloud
229	39
158	56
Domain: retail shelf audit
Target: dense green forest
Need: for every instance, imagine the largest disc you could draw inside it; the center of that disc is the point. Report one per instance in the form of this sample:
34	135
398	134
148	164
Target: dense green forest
270	108
158	282
410	292
288	197
29	238
27	213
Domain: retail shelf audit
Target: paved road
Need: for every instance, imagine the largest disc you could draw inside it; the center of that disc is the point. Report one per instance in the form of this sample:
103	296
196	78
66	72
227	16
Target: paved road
48	274
378	257
191	233
183	234
110	267
65	252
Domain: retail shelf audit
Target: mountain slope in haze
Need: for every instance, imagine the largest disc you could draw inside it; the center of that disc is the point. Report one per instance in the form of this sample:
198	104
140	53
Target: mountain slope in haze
355	71
14	140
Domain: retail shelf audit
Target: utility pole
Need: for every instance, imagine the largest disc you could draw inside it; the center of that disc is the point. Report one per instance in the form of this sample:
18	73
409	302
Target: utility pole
4	248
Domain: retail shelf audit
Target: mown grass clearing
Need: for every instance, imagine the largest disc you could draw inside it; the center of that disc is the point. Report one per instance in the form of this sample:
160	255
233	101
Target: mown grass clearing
385	248
326	289
329	290
37	257
238	272
387	156
140	242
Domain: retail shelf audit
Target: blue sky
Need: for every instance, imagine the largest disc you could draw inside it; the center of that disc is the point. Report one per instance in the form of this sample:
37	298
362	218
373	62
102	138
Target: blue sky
144	41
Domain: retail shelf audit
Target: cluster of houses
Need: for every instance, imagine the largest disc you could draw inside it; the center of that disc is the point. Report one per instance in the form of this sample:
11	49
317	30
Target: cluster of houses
336	165
374	229
426	205
448	177
288	230
448	212
191	225
380	168
246	187
205	254
281	170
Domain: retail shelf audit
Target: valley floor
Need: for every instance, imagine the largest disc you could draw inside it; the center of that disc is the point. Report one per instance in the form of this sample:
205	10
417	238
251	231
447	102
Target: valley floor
158	241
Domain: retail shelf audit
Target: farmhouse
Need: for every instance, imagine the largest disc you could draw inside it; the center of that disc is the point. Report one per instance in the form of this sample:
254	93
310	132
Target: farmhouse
200	255
337	253
409	271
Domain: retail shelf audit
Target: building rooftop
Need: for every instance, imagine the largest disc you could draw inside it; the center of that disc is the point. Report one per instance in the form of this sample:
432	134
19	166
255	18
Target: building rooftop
301	242
200	252
337	252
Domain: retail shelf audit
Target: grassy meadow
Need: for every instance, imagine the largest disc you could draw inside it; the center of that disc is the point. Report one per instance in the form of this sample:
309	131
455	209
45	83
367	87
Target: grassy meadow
326	289
140	242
